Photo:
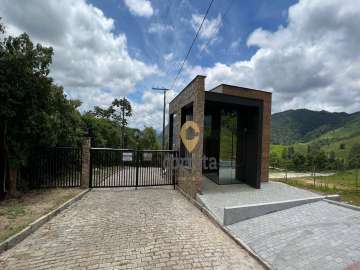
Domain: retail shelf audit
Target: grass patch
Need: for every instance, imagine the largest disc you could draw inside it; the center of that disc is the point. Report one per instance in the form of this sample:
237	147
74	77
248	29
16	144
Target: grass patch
16	214
342	183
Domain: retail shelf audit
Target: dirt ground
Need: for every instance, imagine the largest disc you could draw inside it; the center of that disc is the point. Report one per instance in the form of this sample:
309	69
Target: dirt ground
16	214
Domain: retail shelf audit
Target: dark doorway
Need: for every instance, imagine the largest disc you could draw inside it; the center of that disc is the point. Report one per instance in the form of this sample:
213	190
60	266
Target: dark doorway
247	161
232	136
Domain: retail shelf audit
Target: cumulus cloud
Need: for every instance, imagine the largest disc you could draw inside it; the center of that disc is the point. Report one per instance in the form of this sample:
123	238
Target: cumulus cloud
149	112
90	61
311	62
210	29
160	28
141	8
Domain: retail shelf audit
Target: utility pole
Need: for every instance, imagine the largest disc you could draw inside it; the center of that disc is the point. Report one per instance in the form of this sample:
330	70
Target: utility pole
163	131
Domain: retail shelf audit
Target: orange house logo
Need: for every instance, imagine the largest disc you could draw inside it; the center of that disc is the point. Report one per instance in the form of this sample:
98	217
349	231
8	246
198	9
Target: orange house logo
190	143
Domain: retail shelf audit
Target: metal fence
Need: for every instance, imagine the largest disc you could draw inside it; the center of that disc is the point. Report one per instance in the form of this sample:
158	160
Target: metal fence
132	168
53	167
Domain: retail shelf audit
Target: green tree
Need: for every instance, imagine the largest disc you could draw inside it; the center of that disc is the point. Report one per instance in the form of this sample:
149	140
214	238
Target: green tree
299	161
332	163
102	113
66	125
118	112
34	112
121	111
354	157
274	159
291	152
103	132
148	139
24	92
284	154
320	160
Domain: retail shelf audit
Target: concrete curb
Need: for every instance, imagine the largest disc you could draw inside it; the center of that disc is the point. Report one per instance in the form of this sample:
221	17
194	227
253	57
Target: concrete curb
218	223
17	238
345	205
234	214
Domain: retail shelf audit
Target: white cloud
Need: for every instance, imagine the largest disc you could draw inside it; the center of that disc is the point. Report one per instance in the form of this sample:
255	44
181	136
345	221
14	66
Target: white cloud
168	57
90	61
210	28
141	8
160	28
312	62
149	112
209	33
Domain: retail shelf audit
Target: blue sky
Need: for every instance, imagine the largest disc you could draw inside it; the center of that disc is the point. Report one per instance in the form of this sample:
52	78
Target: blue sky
238	21
305	52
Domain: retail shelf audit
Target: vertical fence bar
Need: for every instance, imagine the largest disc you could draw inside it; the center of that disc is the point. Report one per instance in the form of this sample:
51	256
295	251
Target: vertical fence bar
90	169
72	166
173	169
137	169
102	157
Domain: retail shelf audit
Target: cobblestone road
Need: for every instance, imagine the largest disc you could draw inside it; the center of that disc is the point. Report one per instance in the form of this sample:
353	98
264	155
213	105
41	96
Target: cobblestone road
313	236
143	229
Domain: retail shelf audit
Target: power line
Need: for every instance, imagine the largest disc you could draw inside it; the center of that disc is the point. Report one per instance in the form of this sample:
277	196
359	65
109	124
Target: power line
191	46
222	16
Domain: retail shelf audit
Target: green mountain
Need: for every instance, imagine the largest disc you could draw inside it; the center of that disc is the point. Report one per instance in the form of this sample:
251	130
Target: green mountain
303	125
336	132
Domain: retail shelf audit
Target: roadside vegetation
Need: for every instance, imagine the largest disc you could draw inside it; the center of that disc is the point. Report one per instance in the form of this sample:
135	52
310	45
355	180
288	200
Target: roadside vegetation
17	213
345	183
36	113
312	143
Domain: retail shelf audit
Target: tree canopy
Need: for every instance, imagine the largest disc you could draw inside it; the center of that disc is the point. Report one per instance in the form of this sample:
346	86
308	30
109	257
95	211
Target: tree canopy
36	113
354	156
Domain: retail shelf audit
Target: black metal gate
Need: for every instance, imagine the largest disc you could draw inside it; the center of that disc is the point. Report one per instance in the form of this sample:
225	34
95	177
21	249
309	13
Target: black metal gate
53	167
132	168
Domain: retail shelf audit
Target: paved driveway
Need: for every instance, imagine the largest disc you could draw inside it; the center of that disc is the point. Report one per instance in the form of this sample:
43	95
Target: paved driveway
144	229
313	236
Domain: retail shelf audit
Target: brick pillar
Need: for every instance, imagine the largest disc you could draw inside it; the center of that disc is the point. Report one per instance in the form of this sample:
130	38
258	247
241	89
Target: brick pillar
85	164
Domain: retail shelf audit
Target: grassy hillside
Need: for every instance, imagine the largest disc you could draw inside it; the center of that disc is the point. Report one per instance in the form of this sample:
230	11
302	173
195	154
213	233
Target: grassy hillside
303	125
340	139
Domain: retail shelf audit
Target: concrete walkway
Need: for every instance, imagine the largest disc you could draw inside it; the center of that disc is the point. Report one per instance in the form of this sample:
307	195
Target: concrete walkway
217	197
144	229
313	236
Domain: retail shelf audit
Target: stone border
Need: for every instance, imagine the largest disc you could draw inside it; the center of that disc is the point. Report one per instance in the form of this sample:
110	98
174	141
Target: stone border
17	238
233	214
345	205
217	223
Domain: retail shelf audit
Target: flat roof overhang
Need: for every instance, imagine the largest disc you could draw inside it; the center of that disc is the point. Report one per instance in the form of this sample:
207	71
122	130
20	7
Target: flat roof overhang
230	99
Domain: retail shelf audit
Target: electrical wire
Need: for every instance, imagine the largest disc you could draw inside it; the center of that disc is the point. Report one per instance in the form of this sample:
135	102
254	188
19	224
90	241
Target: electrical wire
191	46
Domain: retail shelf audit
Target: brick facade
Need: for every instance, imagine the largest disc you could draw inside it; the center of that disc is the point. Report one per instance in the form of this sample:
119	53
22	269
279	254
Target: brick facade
190	179
85	163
